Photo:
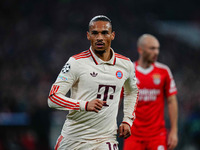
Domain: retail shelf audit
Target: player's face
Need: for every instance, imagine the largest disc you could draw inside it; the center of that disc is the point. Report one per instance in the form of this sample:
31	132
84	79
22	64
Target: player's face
150	50
100	34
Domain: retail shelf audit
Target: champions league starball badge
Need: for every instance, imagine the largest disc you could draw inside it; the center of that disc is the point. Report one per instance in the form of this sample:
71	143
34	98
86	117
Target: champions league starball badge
66	68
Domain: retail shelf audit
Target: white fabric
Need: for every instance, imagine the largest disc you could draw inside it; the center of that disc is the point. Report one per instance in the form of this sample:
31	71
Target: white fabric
106	144
88	80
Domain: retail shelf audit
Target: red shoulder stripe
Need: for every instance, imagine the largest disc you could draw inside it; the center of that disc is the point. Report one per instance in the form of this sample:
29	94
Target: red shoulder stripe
121	56
82	53
79	57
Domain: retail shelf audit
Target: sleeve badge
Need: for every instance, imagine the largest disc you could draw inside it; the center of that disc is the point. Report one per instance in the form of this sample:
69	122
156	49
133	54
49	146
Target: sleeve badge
66	68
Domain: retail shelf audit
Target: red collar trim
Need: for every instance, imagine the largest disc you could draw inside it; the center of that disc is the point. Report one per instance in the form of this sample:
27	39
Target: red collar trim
93	57
114	62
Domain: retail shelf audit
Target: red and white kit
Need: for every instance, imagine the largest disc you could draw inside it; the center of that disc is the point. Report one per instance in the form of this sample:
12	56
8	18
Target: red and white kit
89	78
154	83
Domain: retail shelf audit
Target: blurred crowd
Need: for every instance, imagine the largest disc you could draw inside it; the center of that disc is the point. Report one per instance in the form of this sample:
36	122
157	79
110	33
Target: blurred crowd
37	38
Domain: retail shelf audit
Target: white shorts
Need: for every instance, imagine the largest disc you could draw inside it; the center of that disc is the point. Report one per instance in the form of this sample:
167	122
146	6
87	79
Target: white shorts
66	144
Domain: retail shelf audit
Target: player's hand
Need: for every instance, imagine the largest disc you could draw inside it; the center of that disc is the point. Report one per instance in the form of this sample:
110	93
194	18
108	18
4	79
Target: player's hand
95	105
124	130
172	140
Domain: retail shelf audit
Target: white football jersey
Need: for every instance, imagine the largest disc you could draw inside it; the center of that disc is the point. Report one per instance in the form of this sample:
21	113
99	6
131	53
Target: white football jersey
89	78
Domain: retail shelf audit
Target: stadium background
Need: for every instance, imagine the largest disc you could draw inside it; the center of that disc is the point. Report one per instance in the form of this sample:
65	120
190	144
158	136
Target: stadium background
38	36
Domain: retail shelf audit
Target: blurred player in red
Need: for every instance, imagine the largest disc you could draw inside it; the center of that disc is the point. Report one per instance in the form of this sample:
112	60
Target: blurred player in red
155	82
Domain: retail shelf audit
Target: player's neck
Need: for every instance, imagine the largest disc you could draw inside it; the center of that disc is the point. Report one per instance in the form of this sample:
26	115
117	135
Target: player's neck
106	56
144	64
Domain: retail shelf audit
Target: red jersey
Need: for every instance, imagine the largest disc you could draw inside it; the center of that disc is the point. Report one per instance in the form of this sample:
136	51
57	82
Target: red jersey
155	83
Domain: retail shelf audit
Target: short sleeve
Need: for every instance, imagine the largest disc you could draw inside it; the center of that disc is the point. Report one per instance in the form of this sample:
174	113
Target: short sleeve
170	86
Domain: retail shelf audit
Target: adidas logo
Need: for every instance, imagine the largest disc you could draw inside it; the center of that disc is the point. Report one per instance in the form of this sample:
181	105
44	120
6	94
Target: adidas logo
93	74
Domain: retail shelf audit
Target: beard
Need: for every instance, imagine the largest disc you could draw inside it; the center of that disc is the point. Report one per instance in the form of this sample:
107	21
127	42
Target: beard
99	52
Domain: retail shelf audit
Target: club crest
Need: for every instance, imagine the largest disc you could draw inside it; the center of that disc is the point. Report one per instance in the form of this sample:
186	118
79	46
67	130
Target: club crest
156	79
119	74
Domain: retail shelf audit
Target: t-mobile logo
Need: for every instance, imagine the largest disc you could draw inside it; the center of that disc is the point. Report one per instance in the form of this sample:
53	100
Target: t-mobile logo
105	94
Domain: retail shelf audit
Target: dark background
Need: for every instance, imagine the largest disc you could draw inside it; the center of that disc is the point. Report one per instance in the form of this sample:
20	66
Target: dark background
38	36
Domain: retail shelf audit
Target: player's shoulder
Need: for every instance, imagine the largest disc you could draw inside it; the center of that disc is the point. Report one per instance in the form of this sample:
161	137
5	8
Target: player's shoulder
82	55
161	66
124	62
121	57
79	58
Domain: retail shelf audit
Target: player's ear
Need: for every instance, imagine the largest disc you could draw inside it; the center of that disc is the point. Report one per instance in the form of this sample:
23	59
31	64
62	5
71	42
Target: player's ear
139	49
113	35
88	35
